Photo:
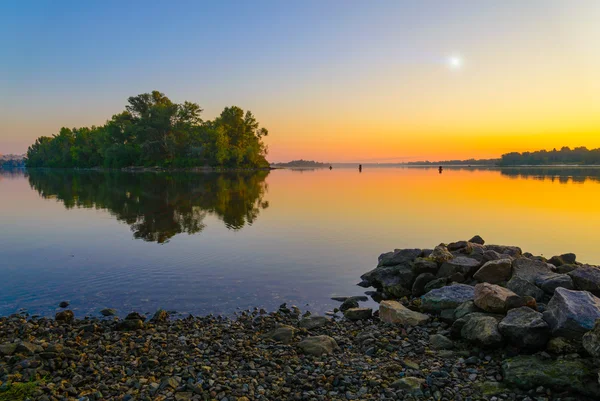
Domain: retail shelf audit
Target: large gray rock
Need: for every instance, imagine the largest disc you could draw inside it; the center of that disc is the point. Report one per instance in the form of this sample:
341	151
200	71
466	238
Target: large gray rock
491	297
494	271
399	256
464	309
449	297
314	322
421	281
439	341
524	288
591	340
525	328
318	345
513	251
573	376
358	313
283	334
551	281
564	259
530	269
395	312
482	330
425	265
440	254
571	314
461	264
586	278
437	283
477	240
389	276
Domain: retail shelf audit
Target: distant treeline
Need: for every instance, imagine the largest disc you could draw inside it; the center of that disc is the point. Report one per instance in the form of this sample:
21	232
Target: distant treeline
154	131
472	162
11	161
302	163
565	155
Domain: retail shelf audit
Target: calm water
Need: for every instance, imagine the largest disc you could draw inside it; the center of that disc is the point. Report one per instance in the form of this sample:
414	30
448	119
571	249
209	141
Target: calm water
208	243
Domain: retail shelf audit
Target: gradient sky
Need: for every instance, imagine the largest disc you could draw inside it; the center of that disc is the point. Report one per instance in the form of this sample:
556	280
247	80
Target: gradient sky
331	80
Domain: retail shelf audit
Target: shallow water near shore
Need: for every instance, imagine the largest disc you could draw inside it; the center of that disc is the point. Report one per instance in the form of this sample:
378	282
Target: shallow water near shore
214	243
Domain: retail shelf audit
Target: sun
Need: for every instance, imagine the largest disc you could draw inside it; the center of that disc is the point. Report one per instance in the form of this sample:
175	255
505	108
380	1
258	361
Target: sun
455	62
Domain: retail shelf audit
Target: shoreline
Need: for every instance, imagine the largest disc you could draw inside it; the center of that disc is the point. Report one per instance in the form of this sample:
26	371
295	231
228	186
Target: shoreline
463	320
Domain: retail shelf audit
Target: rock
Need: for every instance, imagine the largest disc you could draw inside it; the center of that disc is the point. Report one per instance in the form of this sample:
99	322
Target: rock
358	298
424	265
591	341
439	341
529	372
493	255
410	384
388	276
397	291
130	325
465	309
564	259
551	281
561	345
530	269
358	313
516	301
491	297
63	304
314	322
477	240
7	349
421	281
461	264
283	334
183	396
494	271
160	316
463	246
586	278
440	254
525	328
399	256
482	330
395	312
572	313
564	269
28	348
135	316
318	345
524	288
449	297
108	312
437	283
512	251
349	304
66	316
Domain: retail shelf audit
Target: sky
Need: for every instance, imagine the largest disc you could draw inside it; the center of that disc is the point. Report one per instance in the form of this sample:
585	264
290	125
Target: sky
335	81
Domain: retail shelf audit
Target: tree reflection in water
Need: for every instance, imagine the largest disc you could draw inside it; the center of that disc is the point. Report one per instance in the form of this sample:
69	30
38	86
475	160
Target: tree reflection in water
158	206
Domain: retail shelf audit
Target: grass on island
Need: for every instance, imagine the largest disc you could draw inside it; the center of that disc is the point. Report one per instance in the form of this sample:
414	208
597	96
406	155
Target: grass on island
18	391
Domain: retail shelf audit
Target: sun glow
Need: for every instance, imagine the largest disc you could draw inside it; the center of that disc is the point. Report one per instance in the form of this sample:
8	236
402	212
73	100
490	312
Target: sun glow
455	62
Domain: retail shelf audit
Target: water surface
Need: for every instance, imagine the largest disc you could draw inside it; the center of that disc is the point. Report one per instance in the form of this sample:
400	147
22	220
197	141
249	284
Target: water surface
212	243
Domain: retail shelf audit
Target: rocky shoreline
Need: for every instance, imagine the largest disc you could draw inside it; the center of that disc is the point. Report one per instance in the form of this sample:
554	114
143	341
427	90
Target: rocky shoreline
462	321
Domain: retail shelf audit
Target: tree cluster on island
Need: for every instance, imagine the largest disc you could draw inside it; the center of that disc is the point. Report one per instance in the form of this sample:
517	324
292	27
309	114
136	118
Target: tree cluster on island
154	131
566	155
302	163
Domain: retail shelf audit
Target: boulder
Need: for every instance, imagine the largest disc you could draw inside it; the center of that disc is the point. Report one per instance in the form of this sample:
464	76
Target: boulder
463	246
397	291
66	316
7	349
348	304
358	313
586	278
395	312
525	328
564	269
524	288
314	322
424	265
28	348
493	255
563	346
513	251
439	341
440	254
482	330
421	281
437	283
318	345
491	297
564	259
465	309
591	341
130	325
160	316
551	281
63	304
461	264
571	314
494	271
410	384
399	256
283	334
108	312
387	276
477	240
517	301
530	269
449	297
529	372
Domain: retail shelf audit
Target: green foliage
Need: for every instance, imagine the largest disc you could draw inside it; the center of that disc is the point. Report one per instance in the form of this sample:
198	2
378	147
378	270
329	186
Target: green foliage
154	131
565	155
18	391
